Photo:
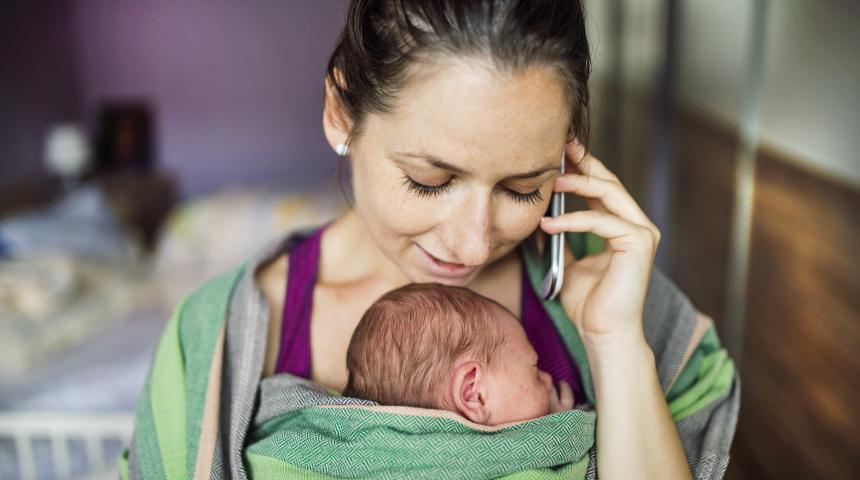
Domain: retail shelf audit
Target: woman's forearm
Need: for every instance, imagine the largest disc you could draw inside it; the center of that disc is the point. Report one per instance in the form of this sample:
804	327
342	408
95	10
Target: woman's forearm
636	436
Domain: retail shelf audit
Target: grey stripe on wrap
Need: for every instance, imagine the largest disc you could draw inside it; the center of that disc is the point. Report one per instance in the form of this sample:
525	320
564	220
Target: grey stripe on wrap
247	330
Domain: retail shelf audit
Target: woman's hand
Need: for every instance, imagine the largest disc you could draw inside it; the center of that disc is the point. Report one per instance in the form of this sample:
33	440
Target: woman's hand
604	294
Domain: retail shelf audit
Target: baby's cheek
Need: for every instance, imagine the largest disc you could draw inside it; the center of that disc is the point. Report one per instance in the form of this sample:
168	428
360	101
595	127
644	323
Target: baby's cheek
540	399
531	401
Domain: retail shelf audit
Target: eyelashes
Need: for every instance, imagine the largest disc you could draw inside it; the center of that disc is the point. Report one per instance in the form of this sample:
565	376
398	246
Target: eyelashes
430	191
425	190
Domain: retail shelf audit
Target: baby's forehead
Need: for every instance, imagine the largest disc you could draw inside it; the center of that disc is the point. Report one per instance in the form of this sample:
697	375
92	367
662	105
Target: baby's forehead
514	335
442	308
490	314
501	315
500	318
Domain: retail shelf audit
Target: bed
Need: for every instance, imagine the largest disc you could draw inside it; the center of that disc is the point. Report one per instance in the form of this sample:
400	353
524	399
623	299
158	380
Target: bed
78	331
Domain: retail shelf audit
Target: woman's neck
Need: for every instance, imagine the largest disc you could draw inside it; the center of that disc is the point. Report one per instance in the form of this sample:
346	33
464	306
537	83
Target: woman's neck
349	255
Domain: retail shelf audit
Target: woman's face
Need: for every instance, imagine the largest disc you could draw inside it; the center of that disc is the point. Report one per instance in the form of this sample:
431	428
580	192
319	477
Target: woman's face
462	171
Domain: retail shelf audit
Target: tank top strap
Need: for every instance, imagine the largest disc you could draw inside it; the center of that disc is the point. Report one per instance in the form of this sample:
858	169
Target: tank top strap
553	356
294	355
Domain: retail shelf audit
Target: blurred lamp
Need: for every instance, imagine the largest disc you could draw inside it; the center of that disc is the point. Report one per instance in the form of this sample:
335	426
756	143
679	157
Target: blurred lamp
67	152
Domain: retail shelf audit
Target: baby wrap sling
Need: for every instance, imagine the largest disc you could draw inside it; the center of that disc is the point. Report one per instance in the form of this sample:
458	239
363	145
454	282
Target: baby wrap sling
204	412
295	356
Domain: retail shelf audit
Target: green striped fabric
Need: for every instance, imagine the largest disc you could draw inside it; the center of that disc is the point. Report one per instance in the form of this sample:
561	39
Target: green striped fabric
319	439
352	442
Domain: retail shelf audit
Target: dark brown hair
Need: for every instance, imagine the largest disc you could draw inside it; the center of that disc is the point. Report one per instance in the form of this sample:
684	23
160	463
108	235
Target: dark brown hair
382	39
405	347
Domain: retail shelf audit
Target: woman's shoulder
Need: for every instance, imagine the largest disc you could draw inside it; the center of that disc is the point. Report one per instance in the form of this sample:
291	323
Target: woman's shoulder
680	335
266	270
270	265
669	316
271	278
262	278
270	272
667	308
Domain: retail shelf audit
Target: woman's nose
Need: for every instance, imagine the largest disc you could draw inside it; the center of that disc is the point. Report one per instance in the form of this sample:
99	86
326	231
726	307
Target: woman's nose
470	233
467	235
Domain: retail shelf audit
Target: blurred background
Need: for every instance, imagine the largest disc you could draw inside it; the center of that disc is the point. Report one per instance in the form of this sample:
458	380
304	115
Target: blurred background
146	146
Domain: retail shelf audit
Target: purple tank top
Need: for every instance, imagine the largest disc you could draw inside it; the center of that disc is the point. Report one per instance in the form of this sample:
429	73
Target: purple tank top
295	352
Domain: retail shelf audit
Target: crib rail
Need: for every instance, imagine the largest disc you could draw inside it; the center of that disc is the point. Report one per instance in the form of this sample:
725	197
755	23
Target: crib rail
94	429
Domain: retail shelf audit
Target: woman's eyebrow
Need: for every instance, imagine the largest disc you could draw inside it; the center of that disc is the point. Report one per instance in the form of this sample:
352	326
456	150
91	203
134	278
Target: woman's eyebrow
453	168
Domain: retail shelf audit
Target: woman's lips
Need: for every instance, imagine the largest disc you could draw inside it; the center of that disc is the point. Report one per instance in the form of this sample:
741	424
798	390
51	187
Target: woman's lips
444	269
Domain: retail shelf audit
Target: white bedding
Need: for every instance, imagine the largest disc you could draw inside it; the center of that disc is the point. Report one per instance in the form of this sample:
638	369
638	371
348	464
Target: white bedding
50	303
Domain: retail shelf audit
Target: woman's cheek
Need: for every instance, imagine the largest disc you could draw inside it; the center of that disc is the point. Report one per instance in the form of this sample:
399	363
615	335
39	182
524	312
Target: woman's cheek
382	201
516	222
404	213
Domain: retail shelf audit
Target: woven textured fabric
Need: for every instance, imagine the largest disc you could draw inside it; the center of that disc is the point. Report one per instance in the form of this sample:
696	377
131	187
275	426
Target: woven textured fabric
205	413
370	441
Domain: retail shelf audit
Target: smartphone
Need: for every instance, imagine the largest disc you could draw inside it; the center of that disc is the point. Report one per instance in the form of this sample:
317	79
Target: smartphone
553	250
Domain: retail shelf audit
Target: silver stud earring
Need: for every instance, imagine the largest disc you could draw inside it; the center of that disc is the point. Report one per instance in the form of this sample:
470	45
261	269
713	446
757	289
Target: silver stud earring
341	149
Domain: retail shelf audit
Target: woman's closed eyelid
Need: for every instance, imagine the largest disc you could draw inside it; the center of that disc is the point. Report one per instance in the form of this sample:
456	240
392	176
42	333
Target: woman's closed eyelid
424	190
431	177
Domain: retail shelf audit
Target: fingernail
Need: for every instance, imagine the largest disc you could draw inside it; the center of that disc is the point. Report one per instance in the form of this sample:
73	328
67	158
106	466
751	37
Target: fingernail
547	219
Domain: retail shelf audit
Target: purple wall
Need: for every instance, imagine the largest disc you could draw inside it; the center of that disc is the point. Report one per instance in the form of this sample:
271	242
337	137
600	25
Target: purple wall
38	83
237	86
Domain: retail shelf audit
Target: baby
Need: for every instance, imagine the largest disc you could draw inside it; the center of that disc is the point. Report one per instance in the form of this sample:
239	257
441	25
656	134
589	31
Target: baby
440	347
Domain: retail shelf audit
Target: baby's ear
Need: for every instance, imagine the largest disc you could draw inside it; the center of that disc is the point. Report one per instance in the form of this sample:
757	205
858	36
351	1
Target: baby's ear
469	392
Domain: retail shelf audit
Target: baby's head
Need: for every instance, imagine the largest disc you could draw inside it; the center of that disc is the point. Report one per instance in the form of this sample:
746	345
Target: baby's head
435	346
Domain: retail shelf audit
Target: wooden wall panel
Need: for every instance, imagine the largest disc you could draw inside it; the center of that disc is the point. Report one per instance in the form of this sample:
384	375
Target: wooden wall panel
800	405
801	361
703	212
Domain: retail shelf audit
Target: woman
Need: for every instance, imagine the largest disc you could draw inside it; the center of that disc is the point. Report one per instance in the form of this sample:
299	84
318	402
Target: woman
453	116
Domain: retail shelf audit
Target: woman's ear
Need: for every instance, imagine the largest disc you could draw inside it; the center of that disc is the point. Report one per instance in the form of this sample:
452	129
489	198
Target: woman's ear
469	391
336	122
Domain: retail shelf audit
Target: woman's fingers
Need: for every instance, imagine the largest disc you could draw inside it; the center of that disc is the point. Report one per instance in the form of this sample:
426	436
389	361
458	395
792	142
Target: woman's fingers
620	233
600	187
565	394
614	213
554	401
595	204
612	195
